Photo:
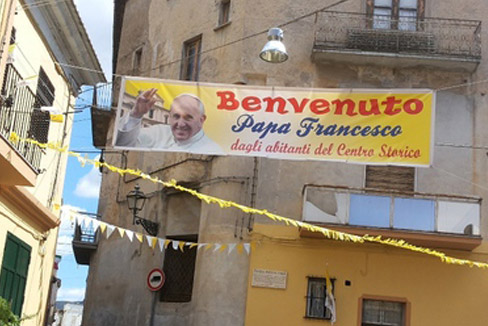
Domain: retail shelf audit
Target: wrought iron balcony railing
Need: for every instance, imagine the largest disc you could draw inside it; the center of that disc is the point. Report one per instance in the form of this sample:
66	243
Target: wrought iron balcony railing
18	113
430	37
102	96
85	242
101	113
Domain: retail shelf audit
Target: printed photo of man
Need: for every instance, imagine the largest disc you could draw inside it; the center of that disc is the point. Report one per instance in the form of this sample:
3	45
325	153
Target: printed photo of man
183	133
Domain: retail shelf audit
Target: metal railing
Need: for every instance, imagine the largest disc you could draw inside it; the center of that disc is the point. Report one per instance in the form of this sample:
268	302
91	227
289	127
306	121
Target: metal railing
85	233
17	112
429	36
102	96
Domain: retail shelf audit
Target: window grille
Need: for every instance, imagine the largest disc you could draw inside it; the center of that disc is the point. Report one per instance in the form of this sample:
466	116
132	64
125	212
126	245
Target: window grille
179	268
383	313
316	294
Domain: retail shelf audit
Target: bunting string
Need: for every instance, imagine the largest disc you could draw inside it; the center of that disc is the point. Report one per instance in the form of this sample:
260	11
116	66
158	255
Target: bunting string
95	225
326	232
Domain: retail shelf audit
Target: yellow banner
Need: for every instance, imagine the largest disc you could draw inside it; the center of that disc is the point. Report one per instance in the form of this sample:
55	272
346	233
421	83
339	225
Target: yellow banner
369	126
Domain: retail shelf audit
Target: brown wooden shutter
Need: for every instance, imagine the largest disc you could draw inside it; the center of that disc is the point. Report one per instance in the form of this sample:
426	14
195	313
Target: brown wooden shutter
390	177
421	9
369	13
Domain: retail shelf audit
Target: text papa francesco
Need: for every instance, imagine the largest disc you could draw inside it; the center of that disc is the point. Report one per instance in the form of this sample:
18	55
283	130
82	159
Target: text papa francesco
391	106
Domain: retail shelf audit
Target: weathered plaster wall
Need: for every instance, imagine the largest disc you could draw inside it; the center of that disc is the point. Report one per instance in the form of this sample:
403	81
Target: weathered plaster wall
162	27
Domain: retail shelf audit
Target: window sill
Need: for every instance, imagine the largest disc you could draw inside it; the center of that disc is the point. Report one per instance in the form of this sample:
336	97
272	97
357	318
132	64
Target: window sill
222	26
419	238
317	318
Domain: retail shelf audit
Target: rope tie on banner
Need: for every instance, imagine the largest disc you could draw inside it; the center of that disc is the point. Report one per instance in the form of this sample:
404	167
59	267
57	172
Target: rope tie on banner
327	233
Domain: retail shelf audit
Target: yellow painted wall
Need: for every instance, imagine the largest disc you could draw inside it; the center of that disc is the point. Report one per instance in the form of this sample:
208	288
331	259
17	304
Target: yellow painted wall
43	246
439	294
29	54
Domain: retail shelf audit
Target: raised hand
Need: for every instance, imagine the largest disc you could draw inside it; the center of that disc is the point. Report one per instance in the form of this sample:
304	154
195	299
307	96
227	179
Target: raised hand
144	103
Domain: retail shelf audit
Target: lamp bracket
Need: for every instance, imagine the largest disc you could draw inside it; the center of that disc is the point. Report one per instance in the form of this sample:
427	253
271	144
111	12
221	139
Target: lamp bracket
151	227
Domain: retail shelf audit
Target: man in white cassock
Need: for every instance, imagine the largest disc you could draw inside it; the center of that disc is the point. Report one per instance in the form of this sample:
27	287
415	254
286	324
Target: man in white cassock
183	133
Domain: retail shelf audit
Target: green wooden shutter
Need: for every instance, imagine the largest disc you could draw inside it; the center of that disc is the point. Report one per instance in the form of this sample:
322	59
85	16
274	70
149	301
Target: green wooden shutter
13	277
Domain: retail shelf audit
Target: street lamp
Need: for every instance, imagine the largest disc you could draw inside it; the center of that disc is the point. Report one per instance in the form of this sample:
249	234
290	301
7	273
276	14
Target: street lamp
274	51
136	200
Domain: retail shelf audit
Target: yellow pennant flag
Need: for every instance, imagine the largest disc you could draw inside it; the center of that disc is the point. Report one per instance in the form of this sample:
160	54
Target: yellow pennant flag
56	118
139	237
103	227
154	242
166	243
181	245
223	247
240	248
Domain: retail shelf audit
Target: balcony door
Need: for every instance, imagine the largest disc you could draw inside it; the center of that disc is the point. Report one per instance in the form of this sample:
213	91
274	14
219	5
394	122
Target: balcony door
395	14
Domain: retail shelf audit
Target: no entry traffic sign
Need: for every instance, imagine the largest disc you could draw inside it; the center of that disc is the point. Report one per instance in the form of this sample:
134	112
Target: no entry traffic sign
155	279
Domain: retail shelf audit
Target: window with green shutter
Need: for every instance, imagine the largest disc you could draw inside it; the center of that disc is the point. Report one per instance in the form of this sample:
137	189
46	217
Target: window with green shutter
13	277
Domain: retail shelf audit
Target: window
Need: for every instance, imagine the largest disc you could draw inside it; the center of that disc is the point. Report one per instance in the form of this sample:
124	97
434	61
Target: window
13	36
224	16
13	276
39	125
191	59
390	177
316	298
396	14
379	312
45	90
179	268
137	61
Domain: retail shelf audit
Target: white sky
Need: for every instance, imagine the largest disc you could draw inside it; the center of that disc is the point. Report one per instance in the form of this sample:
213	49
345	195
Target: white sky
97	16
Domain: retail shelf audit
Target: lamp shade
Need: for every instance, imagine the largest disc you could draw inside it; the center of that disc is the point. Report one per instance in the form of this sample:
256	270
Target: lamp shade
136	199
274	50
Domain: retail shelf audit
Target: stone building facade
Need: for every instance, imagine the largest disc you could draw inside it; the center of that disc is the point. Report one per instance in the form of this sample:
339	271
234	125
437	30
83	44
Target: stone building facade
360	44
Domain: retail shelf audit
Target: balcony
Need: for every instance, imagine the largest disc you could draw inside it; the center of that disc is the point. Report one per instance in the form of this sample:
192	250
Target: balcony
20	162
352	38
101	113
439	221
85	243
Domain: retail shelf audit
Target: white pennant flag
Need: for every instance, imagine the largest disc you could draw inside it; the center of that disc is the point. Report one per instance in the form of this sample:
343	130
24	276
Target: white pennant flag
161	244
96	224
85	222
79	220
200	245
175	244
231	247
217	246
110	230
247	247
89	223
130	235
23	83
149	240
